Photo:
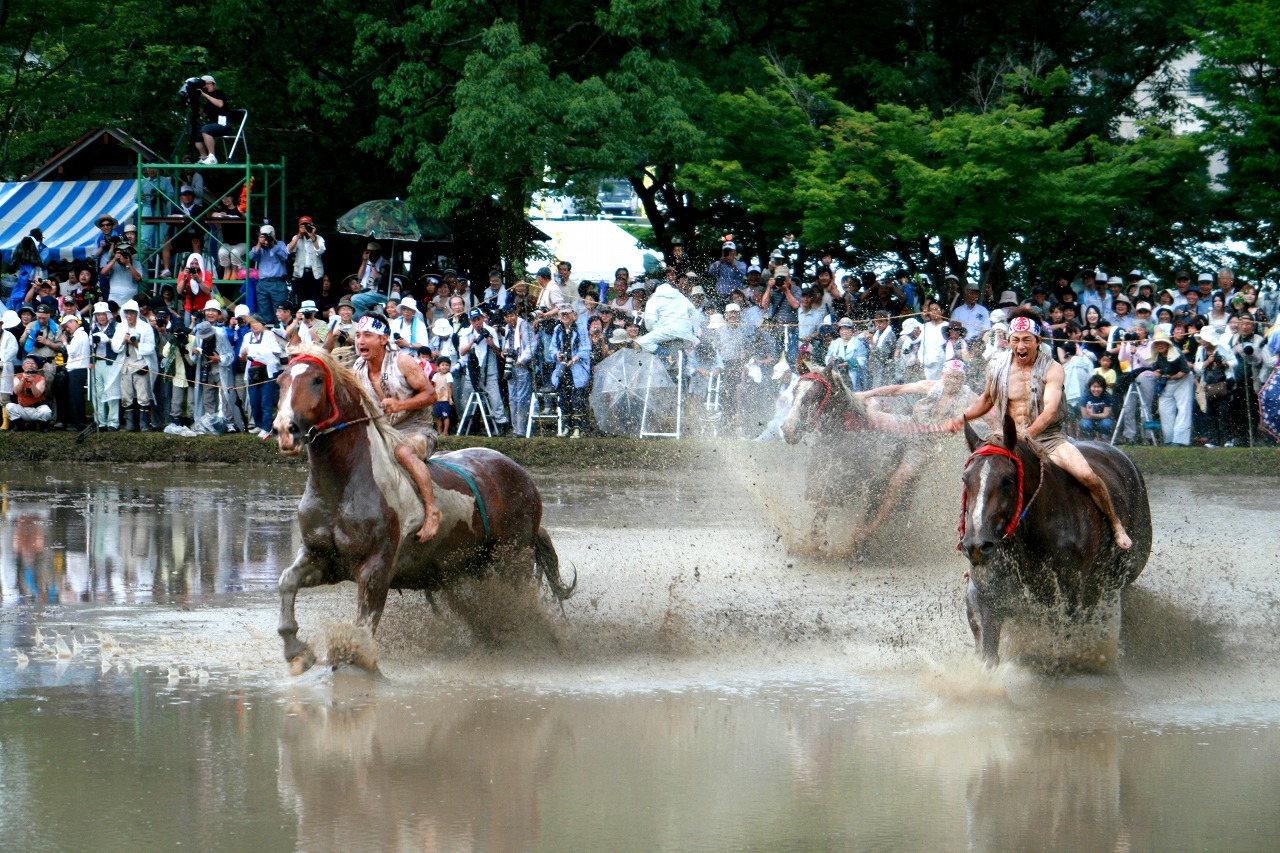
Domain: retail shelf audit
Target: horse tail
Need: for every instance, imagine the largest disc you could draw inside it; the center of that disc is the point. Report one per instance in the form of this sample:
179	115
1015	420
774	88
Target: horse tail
548	563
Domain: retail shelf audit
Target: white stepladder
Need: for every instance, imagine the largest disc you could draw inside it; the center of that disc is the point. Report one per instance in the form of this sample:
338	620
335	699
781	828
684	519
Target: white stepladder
477	403
713	412
1148	427
658	364
541	405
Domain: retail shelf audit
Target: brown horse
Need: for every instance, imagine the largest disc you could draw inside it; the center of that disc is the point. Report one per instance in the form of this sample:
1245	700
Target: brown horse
1033	534
360	510
847	468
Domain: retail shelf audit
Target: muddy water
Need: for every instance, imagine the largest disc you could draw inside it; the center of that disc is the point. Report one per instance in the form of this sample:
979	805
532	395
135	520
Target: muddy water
710	691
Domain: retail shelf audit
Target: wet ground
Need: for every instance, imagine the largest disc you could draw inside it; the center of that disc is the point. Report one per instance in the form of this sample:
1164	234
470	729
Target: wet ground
710	691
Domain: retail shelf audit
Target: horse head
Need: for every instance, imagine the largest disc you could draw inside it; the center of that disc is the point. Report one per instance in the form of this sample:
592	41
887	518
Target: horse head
316	393
993	493
821	400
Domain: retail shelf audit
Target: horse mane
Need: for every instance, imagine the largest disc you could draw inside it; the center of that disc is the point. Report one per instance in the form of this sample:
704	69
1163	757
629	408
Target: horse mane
342	377
856	404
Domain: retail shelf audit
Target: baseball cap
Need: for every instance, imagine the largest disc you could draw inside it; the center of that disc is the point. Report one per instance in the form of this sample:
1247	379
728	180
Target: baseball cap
242	310
187	188
208	78
477	313
305	220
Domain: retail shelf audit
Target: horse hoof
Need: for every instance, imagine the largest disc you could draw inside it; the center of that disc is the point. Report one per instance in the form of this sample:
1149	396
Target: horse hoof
301	663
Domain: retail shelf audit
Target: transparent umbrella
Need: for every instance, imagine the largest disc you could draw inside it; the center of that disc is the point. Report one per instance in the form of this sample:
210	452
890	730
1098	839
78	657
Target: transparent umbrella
620	386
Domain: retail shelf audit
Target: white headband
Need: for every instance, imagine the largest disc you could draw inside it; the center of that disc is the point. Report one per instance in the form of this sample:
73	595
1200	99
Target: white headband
370	323
1024	324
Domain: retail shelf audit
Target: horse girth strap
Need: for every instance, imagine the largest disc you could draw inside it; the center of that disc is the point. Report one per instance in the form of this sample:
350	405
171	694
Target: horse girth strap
1019	511
484	513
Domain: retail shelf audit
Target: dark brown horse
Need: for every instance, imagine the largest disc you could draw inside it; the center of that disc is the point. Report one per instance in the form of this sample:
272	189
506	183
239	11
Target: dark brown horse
1033	535
360	510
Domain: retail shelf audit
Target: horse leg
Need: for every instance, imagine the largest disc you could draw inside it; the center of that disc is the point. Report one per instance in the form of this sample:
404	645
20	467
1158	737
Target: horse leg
985	626
303	573
373	581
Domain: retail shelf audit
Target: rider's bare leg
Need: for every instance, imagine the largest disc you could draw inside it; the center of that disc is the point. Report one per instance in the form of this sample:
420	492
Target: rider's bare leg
892	495
409	454
1069	458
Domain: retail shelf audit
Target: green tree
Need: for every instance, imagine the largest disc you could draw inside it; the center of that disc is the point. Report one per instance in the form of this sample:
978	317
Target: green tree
1240	75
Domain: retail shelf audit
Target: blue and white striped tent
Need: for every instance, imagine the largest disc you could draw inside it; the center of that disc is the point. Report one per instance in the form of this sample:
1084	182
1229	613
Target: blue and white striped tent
64	211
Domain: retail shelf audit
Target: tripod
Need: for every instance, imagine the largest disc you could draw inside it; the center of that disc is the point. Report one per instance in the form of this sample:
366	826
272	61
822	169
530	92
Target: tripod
92	426
1146	424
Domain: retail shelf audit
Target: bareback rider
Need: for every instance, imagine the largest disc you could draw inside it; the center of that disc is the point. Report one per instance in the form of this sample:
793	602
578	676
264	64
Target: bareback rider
406	396
1026	384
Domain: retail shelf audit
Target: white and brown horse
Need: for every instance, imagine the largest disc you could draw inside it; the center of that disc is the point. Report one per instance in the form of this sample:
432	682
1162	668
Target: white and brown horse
360	511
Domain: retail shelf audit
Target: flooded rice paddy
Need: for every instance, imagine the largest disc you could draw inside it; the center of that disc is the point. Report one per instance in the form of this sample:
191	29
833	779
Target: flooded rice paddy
711	691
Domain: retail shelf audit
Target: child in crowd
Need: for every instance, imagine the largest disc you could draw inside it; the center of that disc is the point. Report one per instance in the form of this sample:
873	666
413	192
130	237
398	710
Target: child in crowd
442	379
1106	369
1096	411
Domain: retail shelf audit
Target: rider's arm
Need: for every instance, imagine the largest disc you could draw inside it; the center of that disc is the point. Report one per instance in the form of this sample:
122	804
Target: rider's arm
1052	399
424	392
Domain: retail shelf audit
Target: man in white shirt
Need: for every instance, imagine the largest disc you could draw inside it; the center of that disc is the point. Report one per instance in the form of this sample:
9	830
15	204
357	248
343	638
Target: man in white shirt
408	330
975	317
308	268
135	343
478	349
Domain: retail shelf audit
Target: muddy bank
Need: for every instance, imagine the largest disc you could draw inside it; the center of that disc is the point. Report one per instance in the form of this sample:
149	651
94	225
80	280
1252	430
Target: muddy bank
586	453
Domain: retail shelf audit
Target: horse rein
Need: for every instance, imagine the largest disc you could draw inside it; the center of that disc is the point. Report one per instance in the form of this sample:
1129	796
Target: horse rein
1021	510
328	425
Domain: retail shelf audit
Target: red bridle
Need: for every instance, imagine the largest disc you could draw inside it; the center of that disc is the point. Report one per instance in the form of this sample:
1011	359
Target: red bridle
334	414
826	397
1019	510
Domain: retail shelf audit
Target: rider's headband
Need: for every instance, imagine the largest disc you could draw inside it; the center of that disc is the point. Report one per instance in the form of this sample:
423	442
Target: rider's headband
370	323
1024	324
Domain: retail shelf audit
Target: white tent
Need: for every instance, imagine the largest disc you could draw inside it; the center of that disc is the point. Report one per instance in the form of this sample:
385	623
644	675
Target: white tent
595	248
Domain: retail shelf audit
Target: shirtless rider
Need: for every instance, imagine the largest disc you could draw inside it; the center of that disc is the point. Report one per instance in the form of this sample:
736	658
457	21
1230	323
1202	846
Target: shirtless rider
406	395
1026	383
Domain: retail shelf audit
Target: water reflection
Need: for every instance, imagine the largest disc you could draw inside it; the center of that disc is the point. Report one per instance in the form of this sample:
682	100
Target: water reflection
134	535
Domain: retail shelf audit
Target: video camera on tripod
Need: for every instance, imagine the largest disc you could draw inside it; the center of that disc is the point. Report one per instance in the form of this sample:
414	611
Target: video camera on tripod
189	93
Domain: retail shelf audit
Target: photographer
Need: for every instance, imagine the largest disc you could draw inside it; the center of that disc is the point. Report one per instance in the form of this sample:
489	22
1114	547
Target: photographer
136	343
1215	373
408	331
478	348
780	303
1135	355
215	369
161	380
1176	387
177	369
105	375
272	261
729	273
518	345
308	268
212	107
342	326
75	345
1254	362
122	269
29	408
104	245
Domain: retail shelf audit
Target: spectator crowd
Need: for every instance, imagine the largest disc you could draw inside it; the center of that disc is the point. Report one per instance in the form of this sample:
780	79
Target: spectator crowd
91	344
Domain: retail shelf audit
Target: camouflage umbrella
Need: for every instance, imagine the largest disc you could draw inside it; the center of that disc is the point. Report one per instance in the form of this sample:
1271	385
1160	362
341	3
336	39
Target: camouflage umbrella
390	219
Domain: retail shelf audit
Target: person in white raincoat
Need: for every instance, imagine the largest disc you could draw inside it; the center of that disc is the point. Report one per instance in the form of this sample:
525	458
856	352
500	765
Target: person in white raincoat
105	369
215	369
670	318
849	353
135	344
8	352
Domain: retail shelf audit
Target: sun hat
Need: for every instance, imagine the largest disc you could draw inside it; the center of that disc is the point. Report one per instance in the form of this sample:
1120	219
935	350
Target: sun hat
131	305
909	325
845	323
308	305
101	308
732	308
406	304
636	288
441	328
1161	336
619	336
10	318
697	290
106	217
716	321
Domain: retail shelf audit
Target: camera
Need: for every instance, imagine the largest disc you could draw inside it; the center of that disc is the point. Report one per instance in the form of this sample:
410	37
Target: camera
181	337
28	372
1247	349
343	339
97	338
112	243
1129	337
309	228
189	93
